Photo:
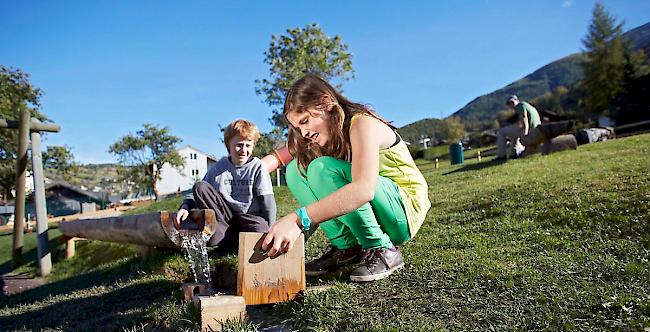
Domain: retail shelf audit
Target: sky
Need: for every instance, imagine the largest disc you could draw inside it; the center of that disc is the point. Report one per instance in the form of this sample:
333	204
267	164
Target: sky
108	67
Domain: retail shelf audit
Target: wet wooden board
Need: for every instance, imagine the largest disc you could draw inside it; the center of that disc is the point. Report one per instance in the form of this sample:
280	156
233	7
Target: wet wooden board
262	279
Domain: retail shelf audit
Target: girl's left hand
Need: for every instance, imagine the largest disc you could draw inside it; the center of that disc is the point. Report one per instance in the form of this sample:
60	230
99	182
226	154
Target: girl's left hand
282	235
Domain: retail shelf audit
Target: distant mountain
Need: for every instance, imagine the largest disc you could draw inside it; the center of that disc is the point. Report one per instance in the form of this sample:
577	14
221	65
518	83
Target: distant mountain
562	72
640	38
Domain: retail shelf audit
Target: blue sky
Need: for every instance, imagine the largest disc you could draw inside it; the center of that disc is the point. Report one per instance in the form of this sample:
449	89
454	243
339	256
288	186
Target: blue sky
107	67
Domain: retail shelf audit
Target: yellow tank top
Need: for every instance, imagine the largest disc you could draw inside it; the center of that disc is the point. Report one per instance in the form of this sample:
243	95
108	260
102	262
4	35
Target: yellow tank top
397	164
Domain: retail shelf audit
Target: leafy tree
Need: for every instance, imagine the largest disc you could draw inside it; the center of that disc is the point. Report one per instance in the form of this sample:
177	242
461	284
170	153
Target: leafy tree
60	160
268	142
16	94
604	63
142	156
452	129
551	101
431	128
301	51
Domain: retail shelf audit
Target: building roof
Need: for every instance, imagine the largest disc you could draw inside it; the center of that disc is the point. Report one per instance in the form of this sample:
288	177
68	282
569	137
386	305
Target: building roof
197	150
76	189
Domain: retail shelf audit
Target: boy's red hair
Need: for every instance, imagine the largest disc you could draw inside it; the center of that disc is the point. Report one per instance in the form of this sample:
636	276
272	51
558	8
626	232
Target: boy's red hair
243	128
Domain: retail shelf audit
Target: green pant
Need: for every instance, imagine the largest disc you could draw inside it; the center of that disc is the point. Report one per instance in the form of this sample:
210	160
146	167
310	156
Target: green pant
378	224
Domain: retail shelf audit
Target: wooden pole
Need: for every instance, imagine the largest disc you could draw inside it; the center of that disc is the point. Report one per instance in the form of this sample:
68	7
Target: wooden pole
478	155
34	125
44	260
436	163
21	167
277	176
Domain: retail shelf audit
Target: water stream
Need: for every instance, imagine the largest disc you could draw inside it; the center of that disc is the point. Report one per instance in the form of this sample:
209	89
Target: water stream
196	253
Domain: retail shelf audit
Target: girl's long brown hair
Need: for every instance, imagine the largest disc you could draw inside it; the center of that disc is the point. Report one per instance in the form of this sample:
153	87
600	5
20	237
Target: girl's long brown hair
307	93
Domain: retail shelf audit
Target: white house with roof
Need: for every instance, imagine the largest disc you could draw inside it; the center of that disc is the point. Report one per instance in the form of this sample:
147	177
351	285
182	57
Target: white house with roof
196	165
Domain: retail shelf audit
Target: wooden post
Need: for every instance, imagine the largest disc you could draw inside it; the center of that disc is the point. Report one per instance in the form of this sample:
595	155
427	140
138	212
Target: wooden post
24	126
478	155
44	260
436	163
277	175
262	279
69	247
19	212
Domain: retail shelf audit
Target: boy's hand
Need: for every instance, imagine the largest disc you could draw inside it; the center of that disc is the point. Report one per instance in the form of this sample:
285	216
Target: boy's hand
282	235
180	216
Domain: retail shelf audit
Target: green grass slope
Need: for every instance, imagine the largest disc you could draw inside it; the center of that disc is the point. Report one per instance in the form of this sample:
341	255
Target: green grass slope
557	242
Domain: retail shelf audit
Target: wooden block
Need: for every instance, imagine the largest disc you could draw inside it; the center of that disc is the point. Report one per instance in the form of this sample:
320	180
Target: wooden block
216	309
262	279
192	288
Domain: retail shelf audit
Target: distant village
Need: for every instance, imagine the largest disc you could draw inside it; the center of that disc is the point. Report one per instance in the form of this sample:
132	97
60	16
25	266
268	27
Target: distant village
65	199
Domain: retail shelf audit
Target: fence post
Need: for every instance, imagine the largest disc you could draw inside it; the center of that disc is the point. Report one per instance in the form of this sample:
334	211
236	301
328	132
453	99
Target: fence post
44	260
21	167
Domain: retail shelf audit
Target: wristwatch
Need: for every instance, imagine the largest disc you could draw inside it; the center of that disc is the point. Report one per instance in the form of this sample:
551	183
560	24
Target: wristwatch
304	218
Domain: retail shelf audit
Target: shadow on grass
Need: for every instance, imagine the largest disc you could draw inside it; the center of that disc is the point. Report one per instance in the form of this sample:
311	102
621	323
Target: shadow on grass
30	255
109	311
477	166
86	280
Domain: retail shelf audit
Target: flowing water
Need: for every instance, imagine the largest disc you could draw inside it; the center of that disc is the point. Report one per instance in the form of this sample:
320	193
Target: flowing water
196	253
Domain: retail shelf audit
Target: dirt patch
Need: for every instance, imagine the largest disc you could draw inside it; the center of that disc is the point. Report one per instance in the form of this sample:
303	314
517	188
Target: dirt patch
14	283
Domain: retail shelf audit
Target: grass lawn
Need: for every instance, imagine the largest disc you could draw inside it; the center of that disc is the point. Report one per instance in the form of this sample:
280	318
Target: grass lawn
557	242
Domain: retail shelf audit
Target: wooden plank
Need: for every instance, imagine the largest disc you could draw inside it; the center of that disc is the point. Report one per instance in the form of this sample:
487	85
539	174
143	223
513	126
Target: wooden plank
216	309
262	279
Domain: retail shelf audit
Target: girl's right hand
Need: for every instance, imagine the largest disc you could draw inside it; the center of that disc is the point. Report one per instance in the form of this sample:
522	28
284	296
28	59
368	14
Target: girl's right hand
181	215
282	235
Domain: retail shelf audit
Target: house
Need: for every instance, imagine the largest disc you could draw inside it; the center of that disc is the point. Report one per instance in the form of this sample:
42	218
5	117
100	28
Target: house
6	214
62	199
196	165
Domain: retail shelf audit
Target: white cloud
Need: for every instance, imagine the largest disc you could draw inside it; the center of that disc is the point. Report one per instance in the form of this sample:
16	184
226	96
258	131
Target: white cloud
567	3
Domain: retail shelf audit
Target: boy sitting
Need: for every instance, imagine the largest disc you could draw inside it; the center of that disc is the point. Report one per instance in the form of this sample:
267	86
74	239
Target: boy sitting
238	188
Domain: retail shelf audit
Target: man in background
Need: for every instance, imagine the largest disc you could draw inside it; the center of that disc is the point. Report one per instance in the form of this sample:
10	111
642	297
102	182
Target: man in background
527	120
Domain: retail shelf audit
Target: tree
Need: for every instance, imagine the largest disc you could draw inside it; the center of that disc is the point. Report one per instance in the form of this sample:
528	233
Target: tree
142	156
604	63
268	142
452	129
296	53
60	160
632	104
16	94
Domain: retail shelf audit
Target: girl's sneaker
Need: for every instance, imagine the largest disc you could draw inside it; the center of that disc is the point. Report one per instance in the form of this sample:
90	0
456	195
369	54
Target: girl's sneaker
332	259
378	264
